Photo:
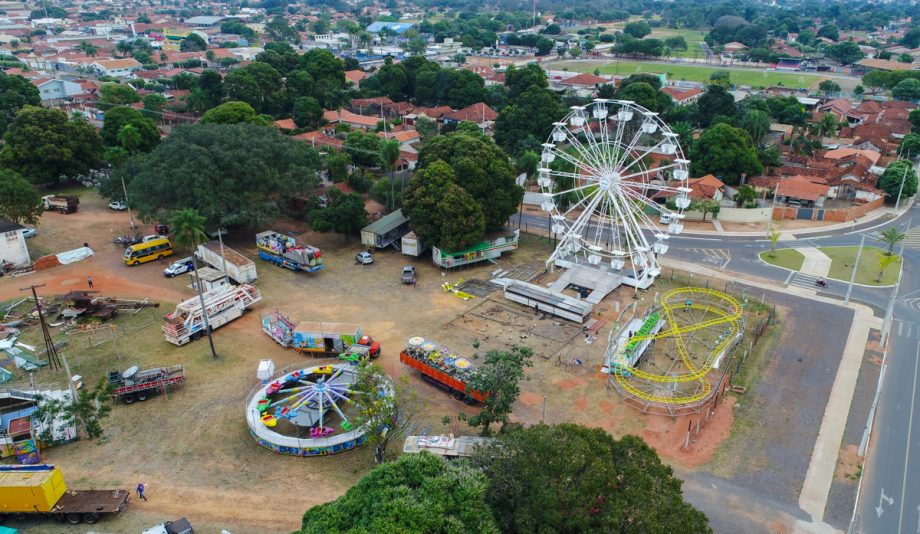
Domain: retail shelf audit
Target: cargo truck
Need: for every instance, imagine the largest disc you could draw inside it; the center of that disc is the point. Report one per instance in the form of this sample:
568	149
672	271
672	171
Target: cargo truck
438	365
239	268
224	304
137	384
284	251
61	203
40	490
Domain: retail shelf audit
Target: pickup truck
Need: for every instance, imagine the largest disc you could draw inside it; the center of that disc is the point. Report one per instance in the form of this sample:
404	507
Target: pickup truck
408	275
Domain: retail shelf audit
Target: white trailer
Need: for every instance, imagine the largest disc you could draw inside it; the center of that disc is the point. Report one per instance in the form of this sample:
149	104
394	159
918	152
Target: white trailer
239	268
412	245
223	305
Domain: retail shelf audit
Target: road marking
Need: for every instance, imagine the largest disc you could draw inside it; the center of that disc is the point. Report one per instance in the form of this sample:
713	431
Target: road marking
918	520
910	424
913	303
883	499
900	326
788	278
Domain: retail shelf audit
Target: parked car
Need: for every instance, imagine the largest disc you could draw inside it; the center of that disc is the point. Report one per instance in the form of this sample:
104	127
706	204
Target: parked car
364	258
664	218
29	233
118	205
179	526
184	265
408	275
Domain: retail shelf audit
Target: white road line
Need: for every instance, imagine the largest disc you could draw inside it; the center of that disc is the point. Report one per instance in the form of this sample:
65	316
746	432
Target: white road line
910	424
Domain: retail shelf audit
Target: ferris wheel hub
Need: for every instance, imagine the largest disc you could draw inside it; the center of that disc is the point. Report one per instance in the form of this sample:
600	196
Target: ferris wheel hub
607	180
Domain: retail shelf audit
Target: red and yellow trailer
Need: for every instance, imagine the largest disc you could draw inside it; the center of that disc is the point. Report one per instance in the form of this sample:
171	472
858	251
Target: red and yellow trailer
439	365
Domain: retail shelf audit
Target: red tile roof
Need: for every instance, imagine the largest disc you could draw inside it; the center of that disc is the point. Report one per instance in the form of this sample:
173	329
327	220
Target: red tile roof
478	113
802	188
585	79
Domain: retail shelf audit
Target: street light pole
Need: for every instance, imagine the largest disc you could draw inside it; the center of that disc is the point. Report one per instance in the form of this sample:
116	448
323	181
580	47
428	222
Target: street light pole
772	209
862	240
125	191
897	204
889	313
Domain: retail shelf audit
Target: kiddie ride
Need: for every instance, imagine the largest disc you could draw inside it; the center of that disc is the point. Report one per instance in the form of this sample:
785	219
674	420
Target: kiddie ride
306	412
342	340
284	251
439	365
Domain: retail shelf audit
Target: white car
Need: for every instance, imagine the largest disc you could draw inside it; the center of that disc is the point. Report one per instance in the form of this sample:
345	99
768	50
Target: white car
184	265
29	233
118	205
364	258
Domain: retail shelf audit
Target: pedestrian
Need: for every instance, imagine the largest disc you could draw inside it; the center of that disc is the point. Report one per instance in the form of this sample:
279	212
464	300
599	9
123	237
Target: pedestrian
140	491
89	280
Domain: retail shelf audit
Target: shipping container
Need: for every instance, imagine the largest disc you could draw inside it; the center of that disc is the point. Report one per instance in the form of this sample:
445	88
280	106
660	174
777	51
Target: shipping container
30	488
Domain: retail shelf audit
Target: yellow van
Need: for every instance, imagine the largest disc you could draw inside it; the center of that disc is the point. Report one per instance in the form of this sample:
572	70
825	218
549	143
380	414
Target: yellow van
155	249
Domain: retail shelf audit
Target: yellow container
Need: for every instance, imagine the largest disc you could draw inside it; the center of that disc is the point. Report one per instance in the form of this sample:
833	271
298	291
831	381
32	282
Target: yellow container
30	491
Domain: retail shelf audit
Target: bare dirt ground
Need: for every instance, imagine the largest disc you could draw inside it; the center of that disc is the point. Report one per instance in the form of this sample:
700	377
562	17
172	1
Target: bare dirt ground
193	449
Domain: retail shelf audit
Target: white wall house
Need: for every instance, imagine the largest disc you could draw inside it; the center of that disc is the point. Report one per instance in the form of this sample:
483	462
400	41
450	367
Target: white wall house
55	89
119	68
13	247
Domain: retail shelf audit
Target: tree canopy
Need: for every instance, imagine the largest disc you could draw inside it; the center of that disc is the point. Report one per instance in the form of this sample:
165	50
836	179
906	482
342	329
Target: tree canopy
234	112
15	92
528	121
233	175
416	494
482	170
259	85
120	116
715	101
19	200
568	478
897	173
345	214
908	89
43	145
498	376
441	212
726	152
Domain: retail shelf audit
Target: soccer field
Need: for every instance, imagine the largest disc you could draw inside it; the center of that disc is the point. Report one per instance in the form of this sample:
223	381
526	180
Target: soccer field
695	73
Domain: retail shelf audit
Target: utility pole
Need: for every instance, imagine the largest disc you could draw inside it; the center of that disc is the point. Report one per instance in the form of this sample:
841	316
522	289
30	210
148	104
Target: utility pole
772	208
54	360
125	191
862	240
897	204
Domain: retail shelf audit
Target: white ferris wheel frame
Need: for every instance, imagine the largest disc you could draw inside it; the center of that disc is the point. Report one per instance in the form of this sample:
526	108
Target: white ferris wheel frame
608	223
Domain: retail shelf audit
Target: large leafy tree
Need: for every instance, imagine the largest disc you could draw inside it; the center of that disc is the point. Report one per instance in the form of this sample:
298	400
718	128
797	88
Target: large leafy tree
726	152
715	101
910	146
846	52
907	89
19	201
569	478
307	112
364	148
345	214
328	73
207	92
193	43
416	494
15	92
441	212
235	112
756	123
897	173
498	376
116	94
641	93
482	170
259	85
527	123
519	80
388	408
233	175
43	145
467	89
117	118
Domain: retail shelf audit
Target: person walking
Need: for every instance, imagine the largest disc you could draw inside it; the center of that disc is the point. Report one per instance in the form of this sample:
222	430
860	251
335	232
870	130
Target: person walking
140	491
89	280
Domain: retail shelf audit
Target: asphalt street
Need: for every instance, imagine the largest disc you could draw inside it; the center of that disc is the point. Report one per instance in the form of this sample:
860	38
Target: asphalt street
890	495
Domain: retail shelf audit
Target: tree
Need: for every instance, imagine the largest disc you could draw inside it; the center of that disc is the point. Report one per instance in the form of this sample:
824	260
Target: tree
715	101
117	118
910	146
387	408
745	195
279	30
519	80
43	145
773	236
641	93
498	377
726	152
192	43
829	31
756	123
482	170
364	149
884	261
846	52
426	127
259	85
188	231
15	92
528	162
441	212
569	478
911	38
337	164
891	237
114	94
232	174
91	406
914	118
637	29
467	89
153	105
233	112
207	92
307	112
906	58
907	89
527	123
19	201
899	172
418	493
828	87
344	214
827	125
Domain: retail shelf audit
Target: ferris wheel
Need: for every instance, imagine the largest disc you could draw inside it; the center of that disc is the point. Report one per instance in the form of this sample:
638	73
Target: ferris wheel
607	169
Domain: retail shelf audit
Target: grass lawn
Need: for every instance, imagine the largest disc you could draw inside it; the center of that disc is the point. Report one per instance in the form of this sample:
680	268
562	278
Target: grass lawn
693	38
694	73
842	265
787	258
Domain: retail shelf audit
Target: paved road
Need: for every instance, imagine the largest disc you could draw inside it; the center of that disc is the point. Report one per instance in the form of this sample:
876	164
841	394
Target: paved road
890	498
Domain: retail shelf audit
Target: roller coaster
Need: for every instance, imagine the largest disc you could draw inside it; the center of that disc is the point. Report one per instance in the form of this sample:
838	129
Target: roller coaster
666	360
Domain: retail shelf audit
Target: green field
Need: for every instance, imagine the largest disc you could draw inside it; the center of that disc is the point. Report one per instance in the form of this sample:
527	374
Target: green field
787	258
693	38
694	73
842	259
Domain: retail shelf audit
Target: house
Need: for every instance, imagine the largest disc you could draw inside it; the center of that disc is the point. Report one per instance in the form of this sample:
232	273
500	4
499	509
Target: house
706	187
734	47
286	124
385	231
584	84
56	89
355	76
885	64
403	136
13	247
683	95
352	120
204	21
803	190
319	139
118	68
479	113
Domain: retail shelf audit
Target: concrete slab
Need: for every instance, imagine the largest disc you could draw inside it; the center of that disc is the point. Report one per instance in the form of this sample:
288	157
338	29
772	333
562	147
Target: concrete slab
816	262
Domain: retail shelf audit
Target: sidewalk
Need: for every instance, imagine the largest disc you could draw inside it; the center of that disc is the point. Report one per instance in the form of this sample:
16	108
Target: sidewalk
816	263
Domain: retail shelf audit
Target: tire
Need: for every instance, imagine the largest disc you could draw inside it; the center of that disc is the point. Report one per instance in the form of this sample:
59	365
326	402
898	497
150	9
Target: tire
73	519
128	399
90	518
196	336
136	262
143	396
160	257
469	401
458	395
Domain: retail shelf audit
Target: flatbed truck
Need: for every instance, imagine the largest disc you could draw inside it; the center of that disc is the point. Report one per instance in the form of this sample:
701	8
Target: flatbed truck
39	490
137	384
442	368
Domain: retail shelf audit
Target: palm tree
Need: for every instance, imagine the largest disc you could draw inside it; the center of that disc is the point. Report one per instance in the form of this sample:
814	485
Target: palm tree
129	138
891	237
188	229
884	260
774	237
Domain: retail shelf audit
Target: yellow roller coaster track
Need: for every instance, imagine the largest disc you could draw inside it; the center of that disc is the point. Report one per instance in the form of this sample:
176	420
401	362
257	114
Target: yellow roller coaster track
727	311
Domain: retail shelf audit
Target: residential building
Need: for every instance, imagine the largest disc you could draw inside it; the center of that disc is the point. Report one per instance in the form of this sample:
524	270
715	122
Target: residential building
13	248
118	68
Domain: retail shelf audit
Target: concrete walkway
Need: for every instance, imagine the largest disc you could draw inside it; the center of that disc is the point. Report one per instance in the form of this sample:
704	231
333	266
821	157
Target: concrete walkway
816	262
820	475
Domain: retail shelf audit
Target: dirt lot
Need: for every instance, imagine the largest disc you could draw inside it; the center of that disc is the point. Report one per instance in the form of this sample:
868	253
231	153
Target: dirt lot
194	447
